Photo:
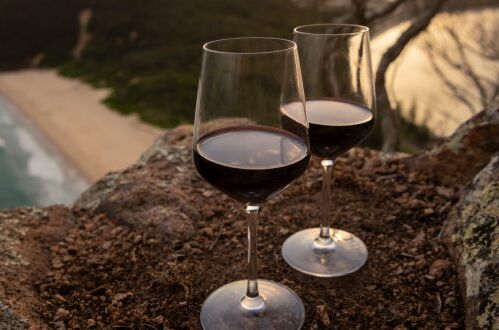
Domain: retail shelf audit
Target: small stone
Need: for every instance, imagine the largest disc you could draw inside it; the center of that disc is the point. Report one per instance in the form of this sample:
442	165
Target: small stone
116	230
419	239
121	296
428	211
400	188
283	231
153	241
438	267
371	287
158	319
207	231
399	270
414	203
106	245
61	314
445	192
137	239
207	193
89	226
57	264
323	315
420	264
91	322
60	325
413	177
450	301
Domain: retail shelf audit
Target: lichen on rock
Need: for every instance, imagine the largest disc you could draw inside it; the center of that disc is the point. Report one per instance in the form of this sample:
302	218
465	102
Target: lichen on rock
472	235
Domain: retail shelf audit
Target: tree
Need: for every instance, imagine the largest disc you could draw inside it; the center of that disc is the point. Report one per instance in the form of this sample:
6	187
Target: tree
456	63
361	15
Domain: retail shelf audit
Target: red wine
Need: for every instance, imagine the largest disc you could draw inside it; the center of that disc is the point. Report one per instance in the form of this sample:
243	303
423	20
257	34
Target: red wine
334	126
250	163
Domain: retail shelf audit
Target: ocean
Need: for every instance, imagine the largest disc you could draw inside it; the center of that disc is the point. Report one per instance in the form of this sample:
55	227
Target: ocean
32	171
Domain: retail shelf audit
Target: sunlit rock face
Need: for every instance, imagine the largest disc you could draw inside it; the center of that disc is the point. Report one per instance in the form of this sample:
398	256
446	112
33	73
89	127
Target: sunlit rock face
449	72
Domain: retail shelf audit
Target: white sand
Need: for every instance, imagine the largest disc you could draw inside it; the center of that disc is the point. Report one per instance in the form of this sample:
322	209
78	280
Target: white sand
93	137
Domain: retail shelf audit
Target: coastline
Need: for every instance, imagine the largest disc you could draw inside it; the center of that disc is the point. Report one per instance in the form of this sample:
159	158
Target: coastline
92	137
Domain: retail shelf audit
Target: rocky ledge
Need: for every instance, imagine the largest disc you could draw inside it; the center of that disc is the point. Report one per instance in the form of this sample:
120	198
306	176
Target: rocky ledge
143	247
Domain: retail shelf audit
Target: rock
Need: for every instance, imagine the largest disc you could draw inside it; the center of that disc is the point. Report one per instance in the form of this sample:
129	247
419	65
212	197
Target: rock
472	237
10	320
121	296
153	193
61	314
461	156
323	315
154	199
420	264
438	268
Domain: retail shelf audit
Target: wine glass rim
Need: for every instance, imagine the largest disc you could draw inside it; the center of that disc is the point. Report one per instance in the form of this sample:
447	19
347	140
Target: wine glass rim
291	45
360	29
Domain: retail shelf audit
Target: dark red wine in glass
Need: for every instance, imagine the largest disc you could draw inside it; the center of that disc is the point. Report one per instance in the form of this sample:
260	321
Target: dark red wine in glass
335	126
252	172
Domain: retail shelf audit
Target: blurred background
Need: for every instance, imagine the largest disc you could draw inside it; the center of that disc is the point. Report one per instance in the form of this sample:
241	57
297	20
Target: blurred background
436	64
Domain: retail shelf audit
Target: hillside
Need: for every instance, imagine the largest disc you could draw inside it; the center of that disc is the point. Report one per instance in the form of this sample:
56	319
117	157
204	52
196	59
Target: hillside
148	52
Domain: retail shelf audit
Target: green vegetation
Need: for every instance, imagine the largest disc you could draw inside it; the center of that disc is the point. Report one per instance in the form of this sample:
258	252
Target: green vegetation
148	52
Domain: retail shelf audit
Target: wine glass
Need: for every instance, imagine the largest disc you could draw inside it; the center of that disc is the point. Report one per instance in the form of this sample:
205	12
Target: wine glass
241	148
340	107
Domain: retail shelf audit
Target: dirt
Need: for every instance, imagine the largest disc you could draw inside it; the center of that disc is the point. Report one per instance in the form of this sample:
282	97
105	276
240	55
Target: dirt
93	271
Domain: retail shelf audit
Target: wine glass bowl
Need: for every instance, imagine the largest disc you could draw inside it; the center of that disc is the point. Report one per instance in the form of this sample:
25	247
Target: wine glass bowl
242	148
340	106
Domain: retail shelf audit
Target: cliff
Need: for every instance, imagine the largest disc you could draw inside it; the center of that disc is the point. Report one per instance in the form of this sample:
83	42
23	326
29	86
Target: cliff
143	247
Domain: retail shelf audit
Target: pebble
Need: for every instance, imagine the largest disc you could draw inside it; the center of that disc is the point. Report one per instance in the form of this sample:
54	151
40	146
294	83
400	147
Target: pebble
56	263
438	267
158	319
116	230
137	239
207	193
60	325
323	315
121	296
428	211
445	192
283	231
420	264
61	314
60	298
208	231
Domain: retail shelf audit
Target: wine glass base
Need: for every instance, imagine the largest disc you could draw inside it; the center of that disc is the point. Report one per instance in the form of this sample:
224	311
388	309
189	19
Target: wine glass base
346	255
281	308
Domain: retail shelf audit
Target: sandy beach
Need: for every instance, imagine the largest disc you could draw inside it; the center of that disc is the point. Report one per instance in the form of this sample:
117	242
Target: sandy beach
70	113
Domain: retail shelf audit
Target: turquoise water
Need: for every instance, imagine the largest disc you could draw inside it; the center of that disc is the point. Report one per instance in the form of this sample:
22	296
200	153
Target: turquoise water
32	172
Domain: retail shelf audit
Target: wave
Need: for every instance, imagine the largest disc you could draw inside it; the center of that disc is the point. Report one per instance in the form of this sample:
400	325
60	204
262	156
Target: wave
39	169
40	163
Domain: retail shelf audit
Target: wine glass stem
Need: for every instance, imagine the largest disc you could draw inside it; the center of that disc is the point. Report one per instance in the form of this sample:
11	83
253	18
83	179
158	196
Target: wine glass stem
252	212
327	169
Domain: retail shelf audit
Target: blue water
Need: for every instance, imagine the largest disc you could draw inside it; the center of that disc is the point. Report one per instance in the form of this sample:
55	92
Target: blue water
32	172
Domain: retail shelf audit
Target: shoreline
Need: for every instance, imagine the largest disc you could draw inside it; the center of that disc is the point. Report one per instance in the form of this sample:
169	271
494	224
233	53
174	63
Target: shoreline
71	115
